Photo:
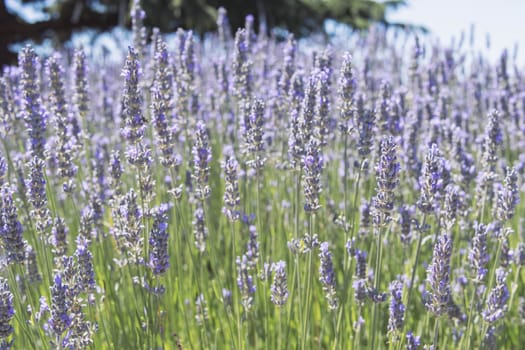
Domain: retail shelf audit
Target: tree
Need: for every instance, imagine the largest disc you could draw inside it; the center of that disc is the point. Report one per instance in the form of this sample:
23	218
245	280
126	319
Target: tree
298	16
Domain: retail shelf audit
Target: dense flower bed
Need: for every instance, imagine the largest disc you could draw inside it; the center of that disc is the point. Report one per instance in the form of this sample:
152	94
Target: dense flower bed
241	192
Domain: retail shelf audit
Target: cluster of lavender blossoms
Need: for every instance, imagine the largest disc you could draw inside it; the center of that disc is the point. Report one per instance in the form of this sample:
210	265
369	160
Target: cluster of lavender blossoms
241	190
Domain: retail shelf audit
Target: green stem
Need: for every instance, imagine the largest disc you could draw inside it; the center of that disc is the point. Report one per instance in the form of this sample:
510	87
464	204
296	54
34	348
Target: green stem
436	333
416	262
307	301
377	282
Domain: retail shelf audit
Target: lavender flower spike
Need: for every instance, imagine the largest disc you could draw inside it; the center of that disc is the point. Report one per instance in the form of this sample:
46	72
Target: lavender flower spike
11	230
86	273
245	282
131	113
387	179
431	181
279	289
413	341
397	309
199	228
478	255
6	314
497	299
37	194
81	96
438	277
508	196
365	127
347	87
201	152
33	111
231	191
327	276
254	134
159	258
60	320
312	167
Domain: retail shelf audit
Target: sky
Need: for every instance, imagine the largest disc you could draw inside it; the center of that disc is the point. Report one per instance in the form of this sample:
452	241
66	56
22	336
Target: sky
503	19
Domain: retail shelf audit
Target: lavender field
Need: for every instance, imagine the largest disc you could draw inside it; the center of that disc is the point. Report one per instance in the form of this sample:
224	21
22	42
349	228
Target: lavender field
241	192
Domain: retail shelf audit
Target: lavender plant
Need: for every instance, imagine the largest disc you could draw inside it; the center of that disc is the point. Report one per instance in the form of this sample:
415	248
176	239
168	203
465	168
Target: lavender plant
120	229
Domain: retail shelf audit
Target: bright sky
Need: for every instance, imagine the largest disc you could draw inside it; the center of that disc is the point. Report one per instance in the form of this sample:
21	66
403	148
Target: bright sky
503	19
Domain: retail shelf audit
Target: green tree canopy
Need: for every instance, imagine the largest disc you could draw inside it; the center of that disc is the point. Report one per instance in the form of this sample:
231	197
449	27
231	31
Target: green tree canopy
301	17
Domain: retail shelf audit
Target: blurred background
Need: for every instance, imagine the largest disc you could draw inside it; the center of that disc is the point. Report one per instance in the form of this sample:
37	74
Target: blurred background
101	22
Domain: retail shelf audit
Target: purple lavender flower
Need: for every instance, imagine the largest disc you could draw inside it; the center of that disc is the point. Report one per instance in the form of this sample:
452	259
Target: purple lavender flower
361	264
231	189
405	221
86	273
397	308
347	87
366	218
322	107
323	60
32	266
360	285
439	295
200	230
6	313
288	69
37	185
508	196
201	152
252	248
254	135
188	61
493	138
131	105
59	232
3	170
295	145
162	104
384	108
128	227
413	341
80	95
159	258
327	276
453	204
33	111
279	289
59	321
387	179
241	67
312	167
58	104
496	306
115	170
245	282
478	255
307	116
305	244
6	104
431	181
365	127
11	230
360	290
